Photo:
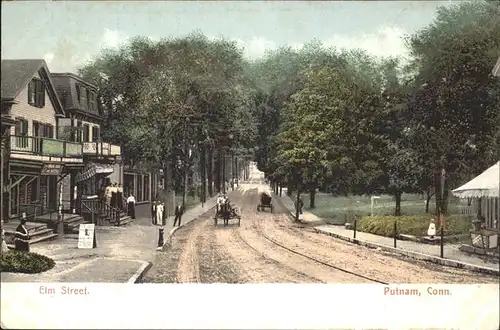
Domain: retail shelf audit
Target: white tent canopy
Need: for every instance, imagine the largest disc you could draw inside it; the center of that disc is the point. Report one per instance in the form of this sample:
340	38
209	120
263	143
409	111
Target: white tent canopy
485	184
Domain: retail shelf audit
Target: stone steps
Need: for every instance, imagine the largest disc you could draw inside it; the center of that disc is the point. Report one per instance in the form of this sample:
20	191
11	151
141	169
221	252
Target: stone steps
38	233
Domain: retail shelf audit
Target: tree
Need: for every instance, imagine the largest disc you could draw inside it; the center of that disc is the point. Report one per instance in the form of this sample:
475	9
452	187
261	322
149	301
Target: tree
454	113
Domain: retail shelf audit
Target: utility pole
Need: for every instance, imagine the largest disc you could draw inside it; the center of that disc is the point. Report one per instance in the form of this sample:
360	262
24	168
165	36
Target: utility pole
223	158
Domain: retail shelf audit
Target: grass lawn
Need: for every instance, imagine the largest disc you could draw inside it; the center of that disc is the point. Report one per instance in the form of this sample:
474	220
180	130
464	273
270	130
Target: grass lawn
414	220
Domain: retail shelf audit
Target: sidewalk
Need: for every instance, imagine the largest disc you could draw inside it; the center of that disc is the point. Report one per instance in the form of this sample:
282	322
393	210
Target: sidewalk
123	254
452	255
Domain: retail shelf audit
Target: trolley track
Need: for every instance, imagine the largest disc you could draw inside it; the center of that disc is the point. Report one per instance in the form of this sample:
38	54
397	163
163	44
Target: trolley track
252	198
261	232
320	261
275	262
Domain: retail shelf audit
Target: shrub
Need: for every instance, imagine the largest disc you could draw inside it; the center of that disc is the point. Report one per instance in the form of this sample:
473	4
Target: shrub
25	262
411	225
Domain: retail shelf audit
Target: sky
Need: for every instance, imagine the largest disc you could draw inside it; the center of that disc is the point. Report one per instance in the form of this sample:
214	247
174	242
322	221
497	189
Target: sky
67	34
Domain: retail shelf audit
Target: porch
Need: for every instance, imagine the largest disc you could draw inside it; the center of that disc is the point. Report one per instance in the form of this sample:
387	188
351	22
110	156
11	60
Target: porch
101	149
44	149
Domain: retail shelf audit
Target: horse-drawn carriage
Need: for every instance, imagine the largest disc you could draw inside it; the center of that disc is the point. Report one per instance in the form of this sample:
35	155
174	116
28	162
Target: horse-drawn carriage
226	211
265	202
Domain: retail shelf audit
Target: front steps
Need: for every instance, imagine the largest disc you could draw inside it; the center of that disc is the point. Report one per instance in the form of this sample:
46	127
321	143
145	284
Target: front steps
39	232
124	220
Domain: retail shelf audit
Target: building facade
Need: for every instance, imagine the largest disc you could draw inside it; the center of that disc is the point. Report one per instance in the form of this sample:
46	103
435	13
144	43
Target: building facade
54	162
38	158
84	117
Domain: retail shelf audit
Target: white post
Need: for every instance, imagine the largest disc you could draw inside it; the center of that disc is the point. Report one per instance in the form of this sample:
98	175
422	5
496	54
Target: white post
75	192
60	197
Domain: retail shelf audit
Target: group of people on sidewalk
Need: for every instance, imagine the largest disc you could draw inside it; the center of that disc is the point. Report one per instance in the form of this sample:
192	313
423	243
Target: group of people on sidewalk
113	195
158	214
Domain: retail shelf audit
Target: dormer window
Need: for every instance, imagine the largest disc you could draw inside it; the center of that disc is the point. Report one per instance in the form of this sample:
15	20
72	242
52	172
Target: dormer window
83	97
92	102
36	93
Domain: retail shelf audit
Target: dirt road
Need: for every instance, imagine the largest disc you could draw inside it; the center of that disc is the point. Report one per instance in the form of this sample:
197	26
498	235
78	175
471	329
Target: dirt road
271	248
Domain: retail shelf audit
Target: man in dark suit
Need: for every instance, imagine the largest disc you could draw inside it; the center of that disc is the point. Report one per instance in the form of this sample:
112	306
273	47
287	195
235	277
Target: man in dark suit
153	212
179	210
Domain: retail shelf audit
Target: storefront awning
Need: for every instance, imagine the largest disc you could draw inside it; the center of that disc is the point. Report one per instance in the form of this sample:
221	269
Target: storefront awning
92	170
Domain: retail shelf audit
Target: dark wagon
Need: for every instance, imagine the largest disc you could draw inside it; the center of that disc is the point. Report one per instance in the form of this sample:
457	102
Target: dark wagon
265	202
226	212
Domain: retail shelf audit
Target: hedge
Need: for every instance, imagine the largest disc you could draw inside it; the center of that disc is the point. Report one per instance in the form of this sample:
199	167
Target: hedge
411	225
25	262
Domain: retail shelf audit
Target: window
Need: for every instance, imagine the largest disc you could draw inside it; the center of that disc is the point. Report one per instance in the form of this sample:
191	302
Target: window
21	133
95	133
36	93
83	97
79	126
43	130
77	87
92	101
86	133
37	129
48	131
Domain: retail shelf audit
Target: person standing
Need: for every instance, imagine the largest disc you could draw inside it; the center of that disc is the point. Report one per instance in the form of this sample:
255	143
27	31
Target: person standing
179	210
108	194
159	214
300	205
220	200
153	212
131	206
114	191
22	237
119	197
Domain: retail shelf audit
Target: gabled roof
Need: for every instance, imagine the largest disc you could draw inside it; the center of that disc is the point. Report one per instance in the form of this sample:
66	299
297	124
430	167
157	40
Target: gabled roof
16	74
496	69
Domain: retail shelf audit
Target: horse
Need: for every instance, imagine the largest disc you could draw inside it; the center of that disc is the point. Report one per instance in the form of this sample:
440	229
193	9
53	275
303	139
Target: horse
225	211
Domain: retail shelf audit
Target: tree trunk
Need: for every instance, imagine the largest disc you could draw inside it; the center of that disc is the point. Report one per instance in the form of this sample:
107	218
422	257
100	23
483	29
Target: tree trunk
210	171
203	173
217	171
297	205
397	212
429	195
312	198
168	184
441	197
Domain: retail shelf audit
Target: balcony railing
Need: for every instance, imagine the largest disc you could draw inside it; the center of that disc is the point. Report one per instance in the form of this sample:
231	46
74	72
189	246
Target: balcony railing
101	149
43	146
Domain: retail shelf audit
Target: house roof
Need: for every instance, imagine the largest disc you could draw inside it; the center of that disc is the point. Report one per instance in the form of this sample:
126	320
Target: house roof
74	76
486	184
16	74
496	69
